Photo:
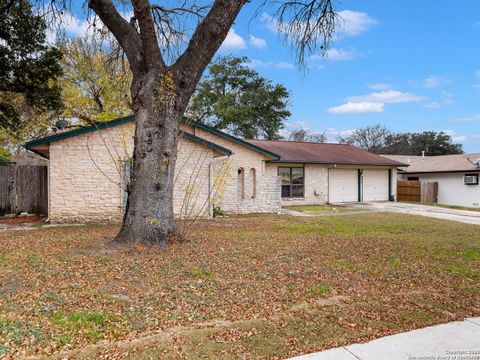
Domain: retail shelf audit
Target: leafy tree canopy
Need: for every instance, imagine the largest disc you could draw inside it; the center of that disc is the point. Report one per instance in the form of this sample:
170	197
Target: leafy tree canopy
381	140
28	69
236	99
433	143
95	82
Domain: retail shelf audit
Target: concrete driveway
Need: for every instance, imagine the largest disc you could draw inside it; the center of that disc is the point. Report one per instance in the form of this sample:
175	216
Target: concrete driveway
464	216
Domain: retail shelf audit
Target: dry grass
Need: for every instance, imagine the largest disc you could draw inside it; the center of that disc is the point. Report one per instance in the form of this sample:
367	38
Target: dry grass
243	287
321	209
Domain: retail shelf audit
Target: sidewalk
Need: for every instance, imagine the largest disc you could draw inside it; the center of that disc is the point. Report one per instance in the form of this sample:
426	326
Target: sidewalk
459	340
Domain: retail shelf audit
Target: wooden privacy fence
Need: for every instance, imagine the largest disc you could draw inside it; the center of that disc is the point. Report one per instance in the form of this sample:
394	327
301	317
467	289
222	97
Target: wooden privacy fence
416	191
409	190
429	192
23	188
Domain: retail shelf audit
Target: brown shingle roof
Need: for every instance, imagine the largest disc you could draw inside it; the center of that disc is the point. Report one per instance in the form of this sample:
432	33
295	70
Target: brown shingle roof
309	152
444	163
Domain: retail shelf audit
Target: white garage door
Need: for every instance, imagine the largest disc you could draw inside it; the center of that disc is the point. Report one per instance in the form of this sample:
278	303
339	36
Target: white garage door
343	185
375	185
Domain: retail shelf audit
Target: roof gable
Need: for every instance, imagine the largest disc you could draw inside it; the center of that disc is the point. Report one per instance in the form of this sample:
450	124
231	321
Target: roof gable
67	134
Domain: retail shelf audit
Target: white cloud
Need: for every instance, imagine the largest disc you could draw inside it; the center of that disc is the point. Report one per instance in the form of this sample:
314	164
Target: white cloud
355	22
68	25
352	23
380	87
469	118
448	101
336	54
259	43
477	73
454	136
387	97
279	65
333	134
434	81
233	41
362	107
432	105
459	138
73	26
270	22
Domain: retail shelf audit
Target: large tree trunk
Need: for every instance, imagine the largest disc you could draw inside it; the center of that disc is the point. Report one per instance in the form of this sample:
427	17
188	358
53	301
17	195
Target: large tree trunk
160	96
158	109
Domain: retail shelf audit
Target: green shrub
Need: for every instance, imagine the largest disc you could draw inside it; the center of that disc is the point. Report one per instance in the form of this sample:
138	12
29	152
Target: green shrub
217	211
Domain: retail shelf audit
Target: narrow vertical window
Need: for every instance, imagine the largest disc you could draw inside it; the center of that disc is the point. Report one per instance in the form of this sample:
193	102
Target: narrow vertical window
241	183
253	178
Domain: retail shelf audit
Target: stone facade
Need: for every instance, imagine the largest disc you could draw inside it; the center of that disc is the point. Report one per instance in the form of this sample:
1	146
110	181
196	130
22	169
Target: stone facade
86	175
266	198
316	184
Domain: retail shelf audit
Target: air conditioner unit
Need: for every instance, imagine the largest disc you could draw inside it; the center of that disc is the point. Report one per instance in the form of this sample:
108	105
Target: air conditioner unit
470	179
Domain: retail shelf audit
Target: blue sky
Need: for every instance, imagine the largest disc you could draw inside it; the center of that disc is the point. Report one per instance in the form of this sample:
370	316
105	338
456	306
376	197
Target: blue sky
409	65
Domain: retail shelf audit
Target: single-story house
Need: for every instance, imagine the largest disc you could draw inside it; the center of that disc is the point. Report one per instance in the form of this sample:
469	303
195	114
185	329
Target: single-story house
457	176
88	171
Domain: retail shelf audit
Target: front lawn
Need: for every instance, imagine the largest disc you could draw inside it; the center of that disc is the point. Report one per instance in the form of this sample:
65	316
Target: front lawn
321	209
243	287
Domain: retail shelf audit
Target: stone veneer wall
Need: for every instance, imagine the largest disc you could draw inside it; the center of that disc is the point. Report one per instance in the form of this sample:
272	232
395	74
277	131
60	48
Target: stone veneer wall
267	197
85	182
316	183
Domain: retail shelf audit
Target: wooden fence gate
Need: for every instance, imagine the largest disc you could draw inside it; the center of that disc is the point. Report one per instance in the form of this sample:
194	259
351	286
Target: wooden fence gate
23	188
416	191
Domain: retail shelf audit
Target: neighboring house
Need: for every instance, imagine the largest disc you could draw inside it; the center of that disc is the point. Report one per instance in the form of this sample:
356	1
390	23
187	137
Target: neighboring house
457	176
88	168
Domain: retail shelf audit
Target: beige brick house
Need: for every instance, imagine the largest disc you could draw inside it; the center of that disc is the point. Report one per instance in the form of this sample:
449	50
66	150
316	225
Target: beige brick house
88	172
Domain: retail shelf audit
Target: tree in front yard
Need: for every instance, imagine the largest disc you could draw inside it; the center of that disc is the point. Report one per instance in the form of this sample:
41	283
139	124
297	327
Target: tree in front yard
95	81
165	77
236	99
29	68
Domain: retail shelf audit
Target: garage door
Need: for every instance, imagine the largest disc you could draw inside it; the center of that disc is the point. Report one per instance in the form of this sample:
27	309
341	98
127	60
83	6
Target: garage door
343	185
375	185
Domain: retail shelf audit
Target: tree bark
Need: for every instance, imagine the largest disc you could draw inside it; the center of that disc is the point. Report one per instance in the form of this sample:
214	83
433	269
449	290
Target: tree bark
158	109
160	96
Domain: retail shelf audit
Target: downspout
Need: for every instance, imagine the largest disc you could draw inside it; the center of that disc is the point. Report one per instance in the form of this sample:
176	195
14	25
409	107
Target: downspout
390	196
360	185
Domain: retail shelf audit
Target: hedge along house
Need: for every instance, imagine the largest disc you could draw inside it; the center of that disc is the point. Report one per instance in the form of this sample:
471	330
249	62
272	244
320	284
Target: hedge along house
89	171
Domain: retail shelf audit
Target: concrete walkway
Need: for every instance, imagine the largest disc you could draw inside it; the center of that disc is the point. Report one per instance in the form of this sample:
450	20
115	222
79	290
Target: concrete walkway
340	213
459	340
464	216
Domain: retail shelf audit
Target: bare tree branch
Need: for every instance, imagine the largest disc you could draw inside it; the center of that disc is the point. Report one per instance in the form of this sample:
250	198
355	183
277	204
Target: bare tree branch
207	39
151	51
306	25
124	32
